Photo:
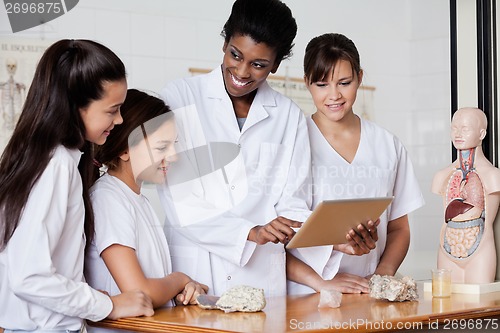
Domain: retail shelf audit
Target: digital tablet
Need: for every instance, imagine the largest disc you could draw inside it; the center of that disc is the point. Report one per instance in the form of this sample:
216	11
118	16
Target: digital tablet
331	220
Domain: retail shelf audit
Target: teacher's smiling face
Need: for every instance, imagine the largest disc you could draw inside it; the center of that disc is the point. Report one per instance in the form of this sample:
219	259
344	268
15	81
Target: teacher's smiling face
246	65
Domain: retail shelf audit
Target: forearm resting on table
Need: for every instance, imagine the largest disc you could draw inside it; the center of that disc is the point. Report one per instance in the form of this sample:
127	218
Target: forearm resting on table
299	272
164	289
124	266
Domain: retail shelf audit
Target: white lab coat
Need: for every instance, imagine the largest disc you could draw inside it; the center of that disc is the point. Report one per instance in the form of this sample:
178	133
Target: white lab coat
380	168
209	217
41	269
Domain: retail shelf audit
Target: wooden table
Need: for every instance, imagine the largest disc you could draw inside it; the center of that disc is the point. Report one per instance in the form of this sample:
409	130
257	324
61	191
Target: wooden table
301	314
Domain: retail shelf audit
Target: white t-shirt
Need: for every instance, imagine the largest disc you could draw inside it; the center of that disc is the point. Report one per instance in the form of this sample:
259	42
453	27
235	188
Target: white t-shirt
126	218
380	168
41	269
210	215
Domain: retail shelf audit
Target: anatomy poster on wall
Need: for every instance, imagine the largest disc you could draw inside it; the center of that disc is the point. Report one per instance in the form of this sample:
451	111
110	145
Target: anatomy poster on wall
18	60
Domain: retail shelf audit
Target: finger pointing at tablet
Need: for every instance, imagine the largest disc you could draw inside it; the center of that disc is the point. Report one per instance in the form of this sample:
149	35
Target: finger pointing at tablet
278	230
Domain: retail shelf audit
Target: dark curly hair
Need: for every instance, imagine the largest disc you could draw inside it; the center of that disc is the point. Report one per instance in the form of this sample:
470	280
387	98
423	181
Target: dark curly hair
265	21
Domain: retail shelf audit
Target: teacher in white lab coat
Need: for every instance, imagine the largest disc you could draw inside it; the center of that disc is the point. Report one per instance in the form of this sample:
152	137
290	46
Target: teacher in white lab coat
243	183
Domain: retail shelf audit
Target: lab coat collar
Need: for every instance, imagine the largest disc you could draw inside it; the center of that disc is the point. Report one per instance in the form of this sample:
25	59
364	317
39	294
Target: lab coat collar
264	98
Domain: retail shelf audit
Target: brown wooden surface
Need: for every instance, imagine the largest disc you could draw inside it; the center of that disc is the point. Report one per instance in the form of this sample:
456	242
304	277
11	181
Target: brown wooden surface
301	314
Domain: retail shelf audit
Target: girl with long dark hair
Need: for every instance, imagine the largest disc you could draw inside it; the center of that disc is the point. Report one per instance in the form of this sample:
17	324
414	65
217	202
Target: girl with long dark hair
45	213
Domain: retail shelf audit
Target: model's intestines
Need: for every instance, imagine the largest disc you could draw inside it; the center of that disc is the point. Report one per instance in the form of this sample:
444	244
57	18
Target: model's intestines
461	243
464	212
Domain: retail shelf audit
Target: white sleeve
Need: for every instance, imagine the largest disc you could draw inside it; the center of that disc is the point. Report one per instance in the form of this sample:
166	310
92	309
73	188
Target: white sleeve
114	220
37	239
407	194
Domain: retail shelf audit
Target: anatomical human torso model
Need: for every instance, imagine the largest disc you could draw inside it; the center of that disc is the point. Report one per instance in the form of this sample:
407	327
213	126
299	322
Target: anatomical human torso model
470	187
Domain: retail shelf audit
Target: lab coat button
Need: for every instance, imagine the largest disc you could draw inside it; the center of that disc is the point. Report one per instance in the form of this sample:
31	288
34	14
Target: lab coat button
232	187
229	277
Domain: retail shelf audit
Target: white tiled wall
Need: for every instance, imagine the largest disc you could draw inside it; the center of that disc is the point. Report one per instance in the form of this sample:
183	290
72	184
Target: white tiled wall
404	47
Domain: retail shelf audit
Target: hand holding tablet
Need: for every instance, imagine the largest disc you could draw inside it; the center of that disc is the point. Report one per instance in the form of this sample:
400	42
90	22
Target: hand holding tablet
331	220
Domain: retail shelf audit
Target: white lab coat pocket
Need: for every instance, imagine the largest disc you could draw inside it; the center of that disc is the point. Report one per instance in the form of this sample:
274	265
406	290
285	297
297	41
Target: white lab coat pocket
184	259
265	269
268	154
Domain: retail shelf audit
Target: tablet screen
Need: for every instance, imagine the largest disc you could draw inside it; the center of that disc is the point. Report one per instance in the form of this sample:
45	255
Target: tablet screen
331	220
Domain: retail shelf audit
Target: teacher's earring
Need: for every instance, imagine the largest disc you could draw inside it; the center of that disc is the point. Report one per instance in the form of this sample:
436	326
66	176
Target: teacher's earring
125	157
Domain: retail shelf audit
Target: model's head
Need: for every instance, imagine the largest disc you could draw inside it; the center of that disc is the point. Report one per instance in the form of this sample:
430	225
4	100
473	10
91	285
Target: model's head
145	139
324	52
468	128
265	21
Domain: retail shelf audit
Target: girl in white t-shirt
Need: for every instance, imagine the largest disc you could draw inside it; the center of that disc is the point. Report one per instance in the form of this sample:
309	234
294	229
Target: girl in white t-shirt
73	102
129	250
352	158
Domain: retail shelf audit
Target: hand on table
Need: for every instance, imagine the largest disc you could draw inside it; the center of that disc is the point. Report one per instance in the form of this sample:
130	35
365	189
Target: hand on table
347	284
191	290
131	304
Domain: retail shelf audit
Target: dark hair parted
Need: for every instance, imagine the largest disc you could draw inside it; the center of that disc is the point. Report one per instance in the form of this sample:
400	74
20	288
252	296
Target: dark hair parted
139	111
68	77
265	21
325	51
